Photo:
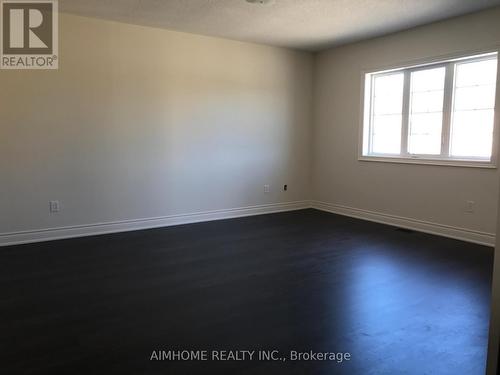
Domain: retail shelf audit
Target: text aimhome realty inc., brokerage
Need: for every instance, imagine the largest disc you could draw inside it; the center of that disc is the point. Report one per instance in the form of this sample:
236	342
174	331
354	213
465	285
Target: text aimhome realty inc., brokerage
29	34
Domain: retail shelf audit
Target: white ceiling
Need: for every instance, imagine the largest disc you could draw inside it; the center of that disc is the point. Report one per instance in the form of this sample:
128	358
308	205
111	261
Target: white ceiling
302	24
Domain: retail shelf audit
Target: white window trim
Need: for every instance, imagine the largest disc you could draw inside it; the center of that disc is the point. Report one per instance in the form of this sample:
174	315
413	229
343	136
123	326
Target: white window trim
444	60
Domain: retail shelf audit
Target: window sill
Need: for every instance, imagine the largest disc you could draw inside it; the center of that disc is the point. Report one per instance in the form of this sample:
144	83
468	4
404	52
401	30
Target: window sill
421	161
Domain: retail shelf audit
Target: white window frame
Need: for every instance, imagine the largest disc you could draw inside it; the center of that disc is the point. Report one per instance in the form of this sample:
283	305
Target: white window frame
444	158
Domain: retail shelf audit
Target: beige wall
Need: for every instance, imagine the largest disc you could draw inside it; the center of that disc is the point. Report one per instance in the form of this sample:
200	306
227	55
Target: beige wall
423	192
141	122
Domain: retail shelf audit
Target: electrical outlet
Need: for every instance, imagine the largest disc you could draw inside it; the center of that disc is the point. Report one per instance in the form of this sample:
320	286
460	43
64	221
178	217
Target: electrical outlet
285	187
266	189
54	206
469	207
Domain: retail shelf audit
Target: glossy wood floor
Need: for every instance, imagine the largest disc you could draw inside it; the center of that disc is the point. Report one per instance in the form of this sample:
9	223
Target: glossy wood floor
398	302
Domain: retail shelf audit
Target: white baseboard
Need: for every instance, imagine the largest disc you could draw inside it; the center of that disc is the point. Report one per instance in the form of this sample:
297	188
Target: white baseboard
16	238
463	234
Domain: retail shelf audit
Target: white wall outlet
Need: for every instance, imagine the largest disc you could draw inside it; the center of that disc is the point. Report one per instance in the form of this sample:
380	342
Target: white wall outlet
266	189
54	206
469	206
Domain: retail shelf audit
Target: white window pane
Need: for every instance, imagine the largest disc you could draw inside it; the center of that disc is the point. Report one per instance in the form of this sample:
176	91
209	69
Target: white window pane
426	111
475	97
388	94
429	79
428	101
476	73
387	114
472	133
386	134
425	134
388	104
473	109
390	84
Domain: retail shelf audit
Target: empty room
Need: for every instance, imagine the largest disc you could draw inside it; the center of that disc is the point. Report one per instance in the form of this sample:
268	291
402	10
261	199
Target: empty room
249	187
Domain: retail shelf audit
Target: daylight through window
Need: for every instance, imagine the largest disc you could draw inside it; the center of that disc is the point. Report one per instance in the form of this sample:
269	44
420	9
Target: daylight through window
442	111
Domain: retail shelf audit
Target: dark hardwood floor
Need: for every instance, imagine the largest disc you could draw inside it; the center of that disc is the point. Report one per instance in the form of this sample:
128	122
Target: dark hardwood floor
399	302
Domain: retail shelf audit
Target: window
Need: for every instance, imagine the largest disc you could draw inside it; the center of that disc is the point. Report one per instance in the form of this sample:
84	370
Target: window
440	112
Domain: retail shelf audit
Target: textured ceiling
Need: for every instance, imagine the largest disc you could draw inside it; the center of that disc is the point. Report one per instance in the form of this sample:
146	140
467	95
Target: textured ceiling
302	24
